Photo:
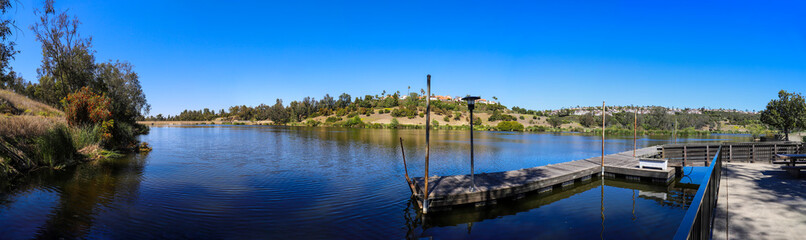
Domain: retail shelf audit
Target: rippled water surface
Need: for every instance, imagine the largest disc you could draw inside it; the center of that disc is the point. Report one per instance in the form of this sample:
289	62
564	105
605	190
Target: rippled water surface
245	182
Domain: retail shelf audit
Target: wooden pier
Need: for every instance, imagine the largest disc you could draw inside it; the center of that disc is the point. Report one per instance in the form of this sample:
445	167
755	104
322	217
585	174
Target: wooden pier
446	191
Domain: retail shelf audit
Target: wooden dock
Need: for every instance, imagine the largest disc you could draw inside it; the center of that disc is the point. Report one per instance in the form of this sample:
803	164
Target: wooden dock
446	191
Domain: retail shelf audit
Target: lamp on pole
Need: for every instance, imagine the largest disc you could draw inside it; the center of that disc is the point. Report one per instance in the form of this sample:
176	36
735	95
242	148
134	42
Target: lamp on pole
471	103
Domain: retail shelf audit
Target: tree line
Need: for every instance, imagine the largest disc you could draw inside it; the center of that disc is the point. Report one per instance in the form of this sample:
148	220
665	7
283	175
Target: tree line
413	105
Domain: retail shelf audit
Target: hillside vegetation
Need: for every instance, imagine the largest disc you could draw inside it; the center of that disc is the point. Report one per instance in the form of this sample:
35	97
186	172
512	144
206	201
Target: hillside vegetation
26	129
395	111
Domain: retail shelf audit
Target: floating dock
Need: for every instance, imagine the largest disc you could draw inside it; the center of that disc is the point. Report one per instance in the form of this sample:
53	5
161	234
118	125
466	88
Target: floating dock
448	191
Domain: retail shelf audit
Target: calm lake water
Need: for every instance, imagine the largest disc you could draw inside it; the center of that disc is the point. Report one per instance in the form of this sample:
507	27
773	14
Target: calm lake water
247	182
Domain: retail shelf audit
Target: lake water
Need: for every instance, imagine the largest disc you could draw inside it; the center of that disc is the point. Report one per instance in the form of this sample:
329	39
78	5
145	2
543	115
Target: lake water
258	182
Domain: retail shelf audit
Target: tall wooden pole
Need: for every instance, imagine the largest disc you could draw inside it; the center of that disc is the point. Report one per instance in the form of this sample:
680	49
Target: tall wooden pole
603	135
472	165
427	141
634	131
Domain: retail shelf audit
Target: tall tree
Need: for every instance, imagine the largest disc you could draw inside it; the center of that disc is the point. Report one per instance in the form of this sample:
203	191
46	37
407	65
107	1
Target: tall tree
8	78
122	85
344	100
68	63
327	102
278	113
786	113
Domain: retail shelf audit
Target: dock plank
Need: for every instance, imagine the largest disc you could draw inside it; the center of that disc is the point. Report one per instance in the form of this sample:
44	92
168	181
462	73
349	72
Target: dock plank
457	190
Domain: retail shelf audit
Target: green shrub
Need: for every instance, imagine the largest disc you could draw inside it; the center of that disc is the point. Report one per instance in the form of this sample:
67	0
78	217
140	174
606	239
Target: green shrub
587	120
86	136
477	121
341	112
498	116
332	119
312	123
447	118
353	122
435	123
394	123
510	126
55	147
555	121
352	115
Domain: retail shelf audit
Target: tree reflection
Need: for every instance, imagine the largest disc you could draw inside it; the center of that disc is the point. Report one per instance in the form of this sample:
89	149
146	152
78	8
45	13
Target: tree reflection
84	192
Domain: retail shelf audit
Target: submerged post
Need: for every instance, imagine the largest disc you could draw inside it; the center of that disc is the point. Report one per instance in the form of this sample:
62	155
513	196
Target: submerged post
470	105
427	140
603	135
405	167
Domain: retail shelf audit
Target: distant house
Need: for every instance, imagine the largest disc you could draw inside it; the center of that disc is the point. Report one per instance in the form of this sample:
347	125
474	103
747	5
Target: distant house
444	98
403	97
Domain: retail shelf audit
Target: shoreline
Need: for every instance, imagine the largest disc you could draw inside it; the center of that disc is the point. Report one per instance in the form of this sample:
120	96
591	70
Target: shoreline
534	128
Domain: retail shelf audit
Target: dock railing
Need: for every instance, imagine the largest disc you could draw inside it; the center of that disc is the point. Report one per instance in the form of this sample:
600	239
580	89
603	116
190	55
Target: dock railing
691	154
699	219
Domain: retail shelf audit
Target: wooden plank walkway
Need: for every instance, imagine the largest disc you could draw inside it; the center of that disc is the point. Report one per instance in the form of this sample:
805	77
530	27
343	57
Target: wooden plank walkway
448	191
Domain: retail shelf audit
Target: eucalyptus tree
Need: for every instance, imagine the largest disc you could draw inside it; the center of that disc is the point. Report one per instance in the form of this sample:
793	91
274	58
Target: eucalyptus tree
344	100
278	113
68	61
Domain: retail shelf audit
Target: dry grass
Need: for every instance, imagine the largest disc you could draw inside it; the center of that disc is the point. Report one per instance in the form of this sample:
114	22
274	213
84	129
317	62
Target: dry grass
28	106
92	150
26	125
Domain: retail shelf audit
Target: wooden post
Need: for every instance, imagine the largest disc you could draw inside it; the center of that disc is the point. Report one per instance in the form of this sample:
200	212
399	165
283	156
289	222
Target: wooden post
427	141
603	135
634	132
684	155
406	168
753	153
707	152
730	151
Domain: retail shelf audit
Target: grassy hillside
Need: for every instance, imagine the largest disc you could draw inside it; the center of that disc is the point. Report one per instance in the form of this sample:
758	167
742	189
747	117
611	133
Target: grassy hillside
34	135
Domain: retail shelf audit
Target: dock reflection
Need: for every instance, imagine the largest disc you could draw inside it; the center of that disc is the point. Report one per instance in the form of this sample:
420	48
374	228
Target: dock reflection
674	195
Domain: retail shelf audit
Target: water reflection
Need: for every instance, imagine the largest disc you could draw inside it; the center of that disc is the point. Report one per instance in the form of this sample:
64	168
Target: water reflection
74	198
252	182
657	199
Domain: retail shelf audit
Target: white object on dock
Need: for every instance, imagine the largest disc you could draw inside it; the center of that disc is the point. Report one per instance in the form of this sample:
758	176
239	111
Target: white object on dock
653	163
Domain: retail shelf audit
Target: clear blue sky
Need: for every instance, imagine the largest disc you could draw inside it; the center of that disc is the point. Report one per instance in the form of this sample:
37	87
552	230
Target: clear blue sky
196	54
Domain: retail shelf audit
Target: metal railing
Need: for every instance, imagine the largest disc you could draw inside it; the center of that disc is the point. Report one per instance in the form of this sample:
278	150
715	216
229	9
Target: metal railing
734	152
699	219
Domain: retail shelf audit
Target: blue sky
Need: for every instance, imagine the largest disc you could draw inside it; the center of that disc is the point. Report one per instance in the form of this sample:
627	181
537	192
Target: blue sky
547	55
